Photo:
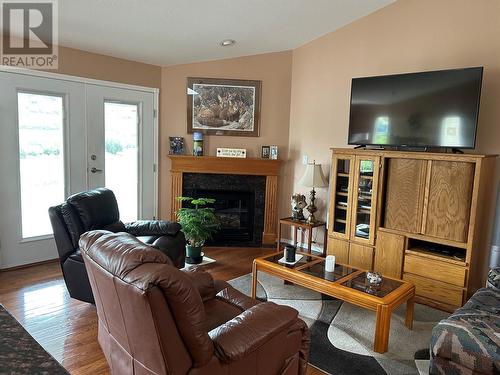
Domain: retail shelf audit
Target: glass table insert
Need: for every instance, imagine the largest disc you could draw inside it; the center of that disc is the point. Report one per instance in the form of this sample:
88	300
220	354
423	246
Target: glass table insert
360	283
317	269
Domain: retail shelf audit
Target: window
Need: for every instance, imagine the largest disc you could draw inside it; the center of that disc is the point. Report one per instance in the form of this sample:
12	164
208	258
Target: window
451	131
41	159
381	133
121	133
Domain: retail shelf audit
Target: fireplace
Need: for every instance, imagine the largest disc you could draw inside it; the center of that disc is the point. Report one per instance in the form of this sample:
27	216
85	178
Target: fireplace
246	175
239	205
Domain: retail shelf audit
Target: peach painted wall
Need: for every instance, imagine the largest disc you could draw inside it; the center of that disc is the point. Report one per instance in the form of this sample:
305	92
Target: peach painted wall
407	36
86	64
273	69
91	65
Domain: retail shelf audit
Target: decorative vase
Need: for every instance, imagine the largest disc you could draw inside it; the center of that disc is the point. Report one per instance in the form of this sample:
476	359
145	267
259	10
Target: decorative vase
194	254
374	278
198	144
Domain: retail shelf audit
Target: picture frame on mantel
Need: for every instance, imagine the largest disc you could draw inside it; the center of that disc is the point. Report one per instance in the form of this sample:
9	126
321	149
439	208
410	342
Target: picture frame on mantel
218	106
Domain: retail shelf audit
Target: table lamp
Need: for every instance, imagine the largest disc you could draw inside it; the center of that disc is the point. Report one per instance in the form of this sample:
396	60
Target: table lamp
313	178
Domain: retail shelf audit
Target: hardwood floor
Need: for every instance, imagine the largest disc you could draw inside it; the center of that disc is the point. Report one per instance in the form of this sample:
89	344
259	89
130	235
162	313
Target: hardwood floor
37	297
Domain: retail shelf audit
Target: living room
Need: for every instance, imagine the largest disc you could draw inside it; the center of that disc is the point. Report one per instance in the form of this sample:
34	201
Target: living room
298	61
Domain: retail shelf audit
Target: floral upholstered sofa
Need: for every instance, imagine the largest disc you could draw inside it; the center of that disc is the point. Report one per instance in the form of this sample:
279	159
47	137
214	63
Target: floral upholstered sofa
468	342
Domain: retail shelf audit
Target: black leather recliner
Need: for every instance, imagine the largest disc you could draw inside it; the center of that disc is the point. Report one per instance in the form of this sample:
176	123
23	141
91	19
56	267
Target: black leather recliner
98	209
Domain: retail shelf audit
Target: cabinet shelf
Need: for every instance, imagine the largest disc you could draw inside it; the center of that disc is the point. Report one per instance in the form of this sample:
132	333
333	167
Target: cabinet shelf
423	237
340	221
342	193
365	193
364	202
340	207
443	258
365	177
342	174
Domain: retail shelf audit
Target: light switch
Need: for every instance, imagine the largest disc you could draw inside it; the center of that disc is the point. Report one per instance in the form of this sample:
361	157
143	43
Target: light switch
305	159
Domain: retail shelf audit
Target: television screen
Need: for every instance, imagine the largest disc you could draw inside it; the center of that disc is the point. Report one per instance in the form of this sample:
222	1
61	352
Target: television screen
429	109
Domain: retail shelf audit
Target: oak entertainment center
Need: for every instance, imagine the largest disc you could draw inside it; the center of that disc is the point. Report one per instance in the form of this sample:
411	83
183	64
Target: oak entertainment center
413	215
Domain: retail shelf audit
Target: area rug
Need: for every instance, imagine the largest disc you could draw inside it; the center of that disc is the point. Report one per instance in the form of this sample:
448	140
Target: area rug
342	334
20	353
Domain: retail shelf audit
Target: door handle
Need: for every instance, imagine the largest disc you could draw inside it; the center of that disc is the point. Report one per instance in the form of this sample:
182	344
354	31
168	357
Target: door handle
95	170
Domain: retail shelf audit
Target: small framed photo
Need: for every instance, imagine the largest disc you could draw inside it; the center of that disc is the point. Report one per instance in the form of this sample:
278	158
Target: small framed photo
176	146
266	151
273	152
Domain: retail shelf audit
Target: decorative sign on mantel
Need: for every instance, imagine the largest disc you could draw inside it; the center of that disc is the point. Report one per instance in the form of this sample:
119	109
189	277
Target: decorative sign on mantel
223	152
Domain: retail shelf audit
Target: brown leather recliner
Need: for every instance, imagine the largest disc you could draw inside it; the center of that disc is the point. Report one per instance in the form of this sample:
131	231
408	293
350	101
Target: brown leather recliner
98	209
157	319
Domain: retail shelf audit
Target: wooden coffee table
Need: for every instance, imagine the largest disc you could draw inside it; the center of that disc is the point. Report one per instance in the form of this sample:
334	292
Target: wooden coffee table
347	284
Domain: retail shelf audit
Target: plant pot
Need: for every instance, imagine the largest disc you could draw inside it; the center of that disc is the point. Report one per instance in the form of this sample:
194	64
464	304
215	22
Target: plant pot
194	254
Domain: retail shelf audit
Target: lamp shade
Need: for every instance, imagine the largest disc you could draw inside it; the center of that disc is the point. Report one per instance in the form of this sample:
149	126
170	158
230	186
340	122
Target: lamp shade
314	176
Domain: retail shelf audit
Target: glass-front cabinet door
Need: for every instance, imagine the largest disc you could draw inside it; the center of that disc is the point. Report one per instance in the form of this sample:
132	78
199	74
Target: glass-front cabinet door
366	171
340	205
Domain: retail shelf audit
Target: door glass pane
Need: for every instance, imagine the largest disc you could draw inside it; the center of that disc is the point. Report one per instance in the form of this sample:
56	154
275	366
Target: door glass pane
341	196
364	197
41	159
121	133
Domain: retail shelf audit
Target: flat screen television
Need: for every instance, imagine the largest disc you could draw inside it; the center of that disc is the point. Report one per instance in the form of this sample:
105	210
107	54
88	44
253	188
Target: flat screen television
421	110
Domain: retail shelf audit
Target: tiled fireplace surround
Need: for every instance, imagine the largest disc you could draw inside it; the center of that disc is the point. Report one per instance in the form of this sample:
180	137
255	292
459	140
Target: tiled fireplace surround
258	177
238	197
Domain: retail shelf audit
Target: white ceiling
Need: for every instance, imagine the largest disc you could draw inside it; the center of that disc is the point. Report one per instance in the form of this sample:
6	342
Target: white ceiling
167	32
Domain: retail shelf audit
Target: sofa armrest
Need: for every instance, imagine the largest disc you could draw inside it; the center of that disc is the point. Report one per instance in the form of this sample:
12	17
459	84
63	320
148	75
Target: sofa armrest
228	294
152	228
250	330
202	281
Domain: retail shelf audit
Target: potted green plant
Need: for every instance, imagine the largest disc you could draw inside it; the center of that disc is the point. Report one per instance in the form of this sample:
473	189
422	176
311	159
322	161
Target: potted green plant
198	223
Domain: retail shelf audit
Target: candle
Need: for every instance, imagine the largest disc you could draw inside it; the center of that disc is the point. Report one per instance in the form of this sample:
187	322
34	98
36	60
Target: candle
330	263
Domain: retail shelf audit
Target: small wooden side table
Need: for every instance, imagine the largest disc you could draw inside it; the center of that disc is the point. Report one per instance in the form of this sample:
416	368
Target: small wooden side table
296	224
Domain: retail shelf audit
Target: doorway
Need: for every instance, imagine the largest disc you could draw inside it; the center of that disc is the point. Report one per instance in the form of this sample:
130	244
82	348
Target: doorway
62	135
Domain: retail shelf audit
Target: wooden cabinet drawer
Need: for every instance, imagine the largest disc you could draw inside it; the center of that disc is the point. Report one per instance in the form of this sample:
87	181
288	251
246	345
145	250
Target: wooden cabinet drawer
436	270
435	290
338	248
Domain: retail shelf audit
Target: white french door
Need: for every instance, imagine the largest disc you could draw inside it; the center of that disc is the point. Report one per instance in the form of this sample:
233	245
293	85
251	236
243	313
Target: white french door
62	136
123	119
38	168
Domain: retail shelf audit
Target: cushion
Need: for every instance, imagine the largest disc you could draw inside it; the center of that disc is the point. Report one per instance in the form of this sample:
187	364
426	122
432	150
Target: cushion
494	278
119	253
96	208
153	228
115	227
469	338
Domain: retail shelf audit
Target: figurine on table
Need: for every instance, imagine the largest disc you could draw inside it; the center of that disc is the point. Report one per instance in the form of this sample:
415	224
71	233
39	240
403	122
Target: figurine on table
298	203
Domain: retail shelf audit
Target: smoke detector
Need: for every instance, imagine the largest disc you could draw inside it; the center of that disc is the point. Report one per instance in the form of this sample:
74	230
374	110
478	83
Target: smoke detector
228	42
